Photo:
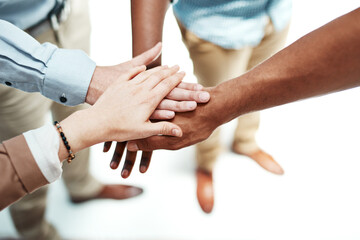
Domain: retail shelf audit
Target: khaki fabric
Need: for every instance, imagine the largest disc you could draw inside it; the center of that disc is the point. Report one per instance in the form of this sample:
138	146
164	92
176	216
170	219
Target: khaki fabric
213	65
20	112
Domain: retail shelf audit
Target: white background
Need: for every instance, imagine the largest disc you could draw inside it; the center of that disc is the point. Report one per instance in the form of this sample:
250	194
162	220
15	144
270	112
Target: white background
316	141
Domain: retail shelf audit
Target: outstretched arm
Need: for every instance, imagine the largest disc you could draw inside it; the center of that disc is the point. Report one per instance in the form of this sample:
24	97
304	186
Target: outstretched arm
147	19
324	61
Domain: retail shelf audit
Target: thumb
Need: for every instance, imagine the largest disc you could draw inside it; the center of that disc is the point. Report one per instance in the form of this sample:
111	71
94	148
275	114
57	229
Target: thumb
164	128
132	72
148	56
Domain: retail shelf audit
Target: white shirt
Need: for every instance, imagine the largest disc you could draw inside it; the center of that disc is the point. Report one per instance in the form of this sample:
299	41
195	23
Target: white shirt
44	146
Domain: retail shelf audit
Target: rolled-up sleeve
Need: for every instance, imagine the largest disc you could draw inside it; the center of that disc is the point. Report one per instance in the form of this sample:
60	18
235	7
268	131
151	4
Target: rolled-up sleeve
19	171
59	74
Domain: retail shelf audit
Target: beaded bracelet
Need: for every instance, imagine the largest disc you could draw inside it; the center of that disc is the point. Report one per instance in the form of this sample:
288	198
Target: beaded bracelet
66	143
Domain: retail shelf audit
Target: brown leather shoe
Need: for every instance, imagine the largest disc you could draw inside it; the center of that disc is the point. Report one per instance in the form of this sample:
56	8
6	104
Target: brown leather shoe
117	192
262	158
205	190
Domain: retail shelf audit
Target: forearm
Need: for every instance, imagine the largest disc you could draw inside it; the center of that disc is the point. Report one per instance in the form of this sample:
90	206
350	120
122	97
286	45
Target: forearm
324	61
147	18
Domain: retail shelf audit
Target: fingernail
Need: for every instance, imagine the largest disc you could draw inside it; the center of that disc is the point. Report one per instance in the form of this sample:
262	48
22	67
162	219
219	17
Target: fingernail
176	132
191	105
125	173
204	96
143	168
170	114
113	165
132	146
134	191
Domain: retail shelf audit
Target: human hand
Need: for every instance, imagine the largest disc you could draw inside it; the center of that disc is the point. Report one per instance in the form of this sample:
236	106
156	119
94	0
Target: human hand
183	98
176	101
104	76
122	113
196	126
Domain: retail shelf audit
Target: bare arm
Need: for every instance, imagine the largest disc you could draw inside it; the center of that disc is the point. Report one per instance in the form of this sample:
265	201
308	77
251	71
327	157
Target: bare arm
323	61
147	19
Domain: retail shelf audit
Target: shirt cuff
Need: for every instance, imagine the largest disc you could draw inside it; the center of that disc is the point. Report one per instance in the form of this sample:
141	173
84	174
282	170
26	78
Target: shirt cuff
68	76
44	146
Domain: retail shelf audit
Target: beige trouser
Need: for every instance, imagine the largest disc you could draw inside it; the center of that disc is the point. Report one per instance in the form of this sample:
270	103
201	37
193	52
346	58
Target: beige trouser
214	64
20	112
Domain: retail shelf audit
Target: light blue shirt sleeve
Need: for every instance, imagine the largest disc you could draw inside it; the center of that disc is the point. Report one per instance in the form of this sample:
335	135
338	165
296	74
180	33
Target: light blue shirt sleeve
59	74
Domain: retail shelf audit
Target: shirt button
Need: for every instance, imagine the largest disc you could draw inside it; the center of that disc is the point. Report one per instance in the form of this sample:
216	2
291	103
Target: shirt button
8	84
63	99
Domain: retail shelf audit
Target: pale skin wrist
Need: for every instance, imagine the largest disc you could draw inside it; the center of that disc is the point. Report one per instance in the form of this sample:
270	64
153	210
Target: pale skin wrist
95	88
101	79
80	131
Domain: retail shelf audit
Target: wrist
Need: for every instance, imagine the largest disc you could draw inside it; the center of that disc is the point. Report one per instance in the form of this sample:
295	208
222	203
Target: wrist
217	108
80	132
232	99
96	88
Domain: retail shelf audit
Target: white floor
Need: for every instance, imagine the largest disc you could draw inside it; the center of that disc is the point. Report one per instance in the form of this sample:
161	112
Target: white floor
316	141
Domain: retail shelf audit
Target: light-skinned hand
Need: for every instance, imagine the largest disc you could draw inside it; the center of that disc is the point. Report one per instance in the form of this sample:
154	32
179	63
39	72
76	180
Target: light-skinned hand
123	112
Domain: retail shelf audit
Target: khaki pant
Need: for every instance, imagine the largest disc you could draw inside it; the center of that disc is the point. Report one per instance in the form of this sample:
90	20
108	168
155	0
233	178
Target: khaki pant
20	112
214	64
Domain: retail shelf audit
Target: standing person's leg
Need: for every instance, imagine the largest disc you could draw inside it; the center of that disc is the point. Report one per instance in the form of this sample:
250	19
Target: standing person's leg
212	65
244	137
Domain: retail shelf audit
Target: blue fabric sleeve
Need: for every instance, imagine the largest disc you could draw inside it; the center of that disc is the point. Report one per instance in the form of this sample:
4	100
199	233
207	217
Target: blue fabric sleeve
59	74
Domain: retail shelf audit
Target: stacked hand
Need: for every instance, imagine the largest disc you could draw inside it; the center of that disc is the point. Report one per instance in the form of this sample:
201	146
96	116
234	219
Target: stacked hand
187	94
196	126
183	98
129	96
123	111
